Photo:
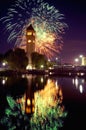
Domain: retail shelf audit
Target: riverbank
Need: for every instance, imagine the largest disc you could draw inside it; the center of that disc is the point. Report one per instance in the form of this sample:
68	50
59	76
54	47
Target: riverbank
50	72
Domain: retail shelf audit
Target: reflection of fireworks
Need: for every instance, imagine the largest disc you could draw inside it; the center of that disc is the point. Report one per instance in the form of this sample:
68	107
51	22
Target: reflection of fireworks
48	108
46	20
48	115
49	97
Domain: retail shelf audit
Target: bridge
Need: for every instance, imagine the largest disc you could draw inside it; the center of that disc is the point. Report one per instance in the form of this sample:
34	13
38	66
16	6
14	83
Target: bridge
59	71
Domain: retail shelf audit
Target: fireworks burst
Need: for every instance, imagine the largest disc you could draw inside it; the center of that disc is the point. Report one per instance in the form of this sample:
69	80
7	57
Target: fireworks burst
46	20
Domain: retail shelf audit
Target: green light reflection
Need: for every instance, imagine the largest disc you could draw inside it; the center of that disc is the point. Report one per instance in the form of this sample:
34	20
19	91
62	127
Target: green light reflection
49	111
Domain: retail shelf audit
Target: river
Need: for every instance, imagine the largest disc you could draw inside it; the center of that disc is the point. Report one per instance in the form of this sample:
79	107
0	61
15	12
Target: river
30	102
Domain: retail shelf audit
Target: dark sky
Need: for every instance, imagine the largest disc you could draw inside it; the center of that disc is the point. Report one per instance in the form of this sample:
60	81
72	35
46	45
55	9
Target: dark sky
75	36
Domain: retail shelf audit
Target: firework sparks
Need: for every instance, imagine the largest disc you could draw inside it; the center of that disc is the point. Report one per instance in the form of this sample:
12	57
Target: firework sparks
46	20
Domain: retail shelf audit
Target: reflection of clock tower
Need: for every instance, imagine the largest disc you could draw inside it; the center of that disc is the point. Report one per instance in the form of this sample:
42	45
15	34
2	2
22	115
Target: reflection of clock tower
30	42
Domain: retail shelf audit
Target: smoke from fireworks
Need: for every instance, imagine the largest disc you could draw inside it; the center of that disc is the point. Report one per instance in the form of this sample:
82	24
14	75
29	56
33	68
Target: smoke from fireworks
46	20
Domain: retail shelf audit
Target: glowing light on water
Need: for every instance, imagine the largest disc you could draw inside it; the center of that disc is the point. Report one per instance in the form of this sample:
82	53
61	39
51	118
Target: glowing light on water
81	88
3	81
83	80
56	84
48	110
42	80
73	81
48	106
76	82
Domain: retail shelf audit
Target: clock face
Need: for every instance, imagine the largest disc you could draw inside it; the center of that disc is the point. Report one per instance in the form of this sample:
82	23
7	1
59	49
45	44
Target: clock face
29	33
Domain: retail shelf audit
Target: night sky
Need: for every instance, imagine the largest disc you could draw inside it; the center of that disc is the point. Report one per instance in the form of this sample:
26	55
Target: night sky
74	39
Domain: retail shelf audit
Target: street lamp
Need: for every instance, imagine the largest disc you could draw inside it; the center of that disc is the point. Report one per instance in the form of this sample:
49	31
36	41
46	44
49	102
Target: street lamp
80	56
56	58
76	61
48	60
4	64
42	66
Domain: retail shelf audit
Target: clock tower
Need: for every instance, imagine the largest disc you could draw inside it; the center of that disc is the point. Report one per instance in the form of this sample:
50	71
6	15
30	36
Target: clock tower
30	42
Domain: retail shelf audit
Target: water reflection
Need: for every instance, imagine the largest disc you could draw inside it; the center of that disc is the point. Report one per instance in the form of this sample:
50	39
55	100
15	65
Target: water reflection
3	80
48	108
38	107
79	84
14	118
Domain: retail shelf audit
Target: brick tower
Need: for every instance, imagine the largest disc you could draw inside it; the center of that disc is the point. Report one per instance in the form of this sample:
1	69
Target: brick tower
30	42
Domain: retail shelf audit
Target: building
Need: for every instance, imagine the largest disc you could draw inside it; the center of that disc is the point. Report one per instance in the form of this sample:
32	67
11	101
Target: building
30	43
83	61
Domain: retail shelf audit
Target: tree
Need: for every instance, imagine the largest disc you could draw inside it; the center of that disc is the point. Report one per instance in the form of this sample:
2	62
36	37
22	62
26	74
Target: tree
17	59
1	57
38	60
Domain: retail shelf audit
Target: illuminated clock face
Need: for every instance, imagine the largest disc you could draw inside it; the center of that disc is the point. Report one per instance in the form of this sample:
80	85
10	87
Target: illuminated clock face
29	33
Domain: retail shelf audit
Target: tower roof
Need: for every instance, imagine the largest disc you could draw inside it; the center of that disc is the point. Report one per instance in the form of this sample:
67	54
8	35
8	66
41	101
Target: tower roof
30	27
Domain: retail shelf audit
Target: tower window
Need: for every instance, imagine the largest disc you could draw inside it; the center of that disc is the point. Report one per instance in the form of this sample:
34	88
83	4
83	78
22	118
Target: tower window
29	41
29	33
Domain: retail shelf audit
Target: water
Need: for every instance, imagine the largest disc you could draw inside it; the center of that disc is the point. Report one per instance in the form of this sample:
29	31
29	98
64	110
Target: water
42	102
74	93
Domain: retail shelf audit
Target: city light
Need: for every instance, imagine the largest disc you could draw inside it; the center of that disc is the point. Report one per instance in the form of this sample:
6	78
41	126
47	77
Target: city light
80	56
79	60
42	66
76	60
